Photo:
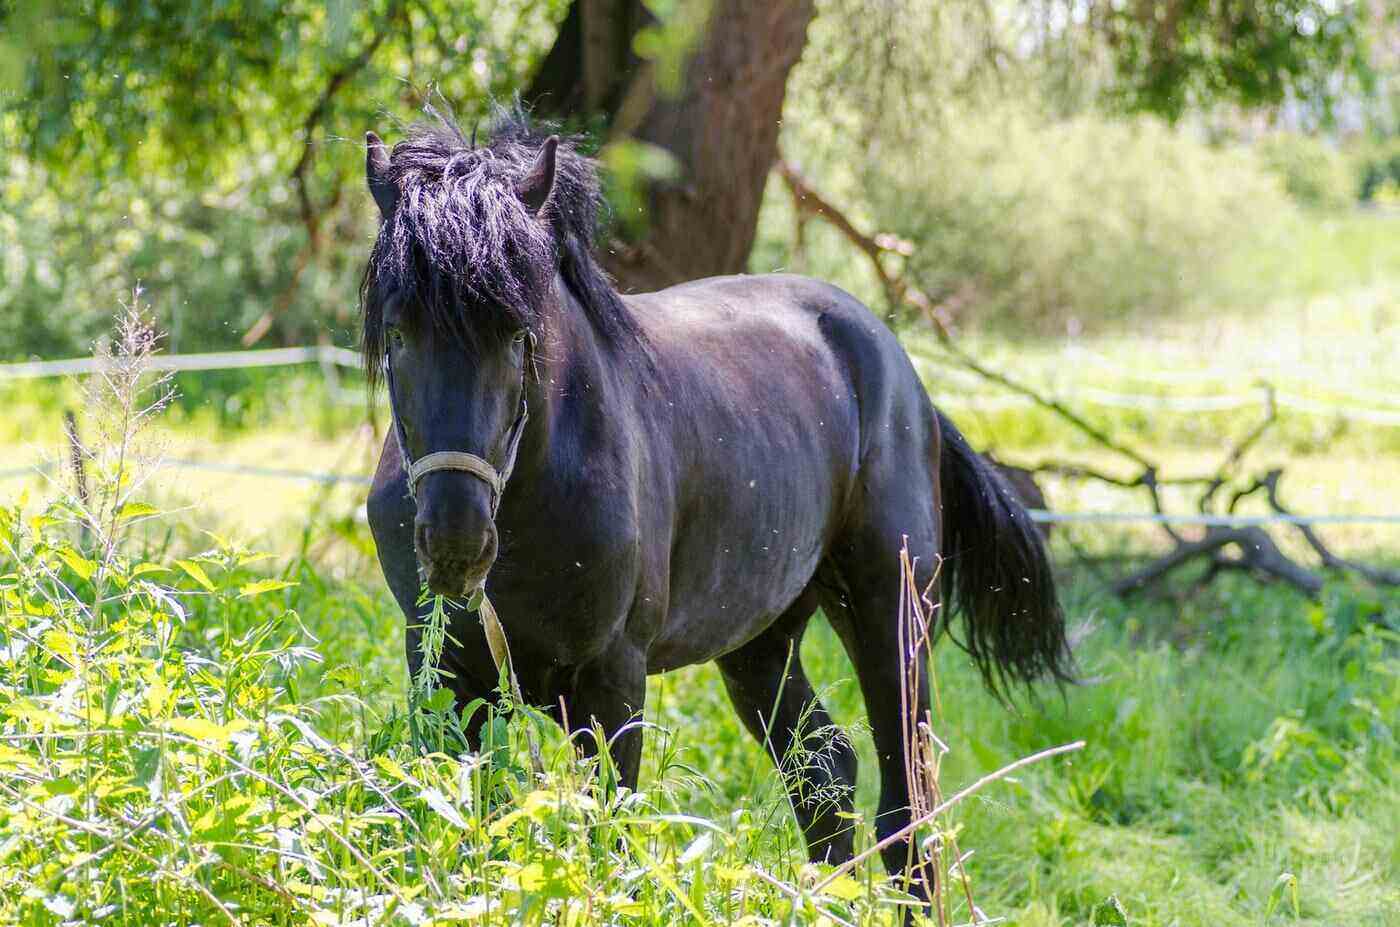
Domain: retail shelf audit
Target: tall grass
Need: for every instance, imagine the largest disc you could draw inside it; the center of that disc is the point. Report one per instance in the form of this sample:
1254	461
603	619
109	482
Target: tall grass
166	757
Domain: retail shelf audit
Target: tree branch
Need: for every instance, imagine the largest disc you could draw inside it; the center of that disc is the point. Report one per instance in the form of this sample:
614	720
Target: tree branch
309	212
1258	553
1376	575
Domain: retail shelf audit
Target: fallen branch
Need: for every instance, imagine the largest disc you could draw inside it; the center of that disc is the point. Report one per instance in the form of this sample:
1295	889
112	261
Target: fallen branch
1376	575
1257	552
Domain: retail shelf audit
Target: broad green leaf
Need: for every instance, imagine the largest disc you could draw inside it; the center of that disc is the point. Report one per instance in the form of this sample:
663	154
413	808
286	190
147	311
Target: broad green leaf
845	888
202	729
26	710
698	848
550	877
62	644
345	676
145	765
137	510
392	768
502	826
222	542
248	590
12	759
626	906
196	572
207	821
64	785
157	696
473	909
439	803
76	562
141	569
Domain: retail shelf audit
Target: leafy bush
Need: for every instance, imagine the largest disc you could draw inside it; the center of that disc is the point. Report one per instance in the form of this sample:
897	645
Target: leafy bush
211	263
1024	203
1045	222
1377	167
1313	172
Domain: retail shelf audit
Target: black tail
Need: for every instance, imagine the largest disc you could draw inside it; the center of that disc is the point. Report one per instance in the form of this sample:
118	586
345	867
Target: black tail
996	574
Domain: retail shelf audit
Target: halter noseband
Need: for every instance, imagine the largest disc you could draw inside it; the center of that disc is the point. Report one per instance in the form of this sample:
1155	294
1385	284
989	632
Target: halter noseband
477	466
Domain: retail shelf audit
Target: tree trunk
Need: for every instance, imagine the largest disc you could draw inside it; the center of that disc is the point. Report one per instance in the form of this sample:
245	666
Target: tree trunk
722	127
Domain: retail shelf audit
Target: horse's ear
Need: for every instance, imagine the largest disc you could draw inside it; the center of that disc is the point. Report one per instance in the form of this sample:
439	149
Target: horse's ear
533	189
384	190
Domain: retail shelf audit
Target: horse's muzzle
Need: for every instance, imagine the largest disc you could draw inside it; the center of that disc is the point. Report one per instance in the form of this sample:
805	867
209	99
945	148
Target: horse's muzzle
455	541
446	569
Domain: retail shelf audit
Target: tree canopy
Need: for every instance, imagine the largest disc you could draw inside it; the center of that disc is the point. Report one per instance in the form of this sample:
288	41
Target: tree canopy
262	104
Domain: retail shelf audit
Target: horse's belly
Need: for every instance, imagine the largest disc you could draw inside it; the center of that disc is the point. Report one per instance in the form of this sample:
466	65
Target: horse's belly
735	569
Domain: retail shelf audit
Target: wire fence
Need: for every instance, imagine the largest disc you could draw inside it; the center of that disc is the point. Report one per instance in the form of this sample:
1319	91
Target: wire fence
1383	415
218	360
330	355
336	357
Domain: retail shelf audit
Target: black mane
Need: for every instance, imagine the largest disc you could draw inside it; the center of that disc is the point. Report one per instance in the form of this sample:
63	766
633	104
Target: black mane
463	247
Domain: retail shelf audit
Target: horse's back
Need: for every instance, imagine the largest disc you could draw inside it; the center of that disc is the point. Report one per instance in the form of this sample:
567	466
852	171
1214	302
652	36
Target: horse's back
776	390
797	336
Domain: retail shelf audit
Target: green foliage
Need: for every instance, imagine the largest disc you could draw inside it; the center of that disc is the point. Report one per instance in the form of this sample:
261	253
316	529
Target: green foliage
212	152
172	747
161	762
1170	57
1313	172
212	264
1083	220
1042	224
197	91
1134	56
1378	169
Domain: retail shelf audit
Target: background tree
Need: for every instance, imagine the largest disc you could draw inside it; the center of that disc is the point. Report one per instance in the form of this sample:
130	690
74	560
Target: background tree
703	93
201	119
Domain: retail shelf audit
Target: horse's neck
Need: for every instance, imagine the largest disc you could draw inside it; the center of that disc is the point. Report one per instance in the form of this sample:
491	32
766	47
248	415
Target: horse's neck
579	381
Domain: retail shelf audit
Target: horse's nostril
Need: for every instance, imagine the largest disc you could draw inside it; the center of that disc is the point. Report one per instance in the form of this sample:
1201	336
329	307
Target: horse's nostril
468	547
483	545
423	536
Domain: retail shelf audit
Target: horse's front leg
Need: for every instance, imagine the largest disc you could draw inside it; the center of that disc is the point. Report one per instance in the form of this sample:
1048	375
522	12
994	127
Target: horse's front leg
610	692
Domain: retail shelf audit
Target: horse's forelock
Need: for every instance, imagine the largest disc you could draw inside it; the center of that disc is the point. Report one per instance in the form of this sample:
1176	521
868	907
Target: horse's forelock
463	246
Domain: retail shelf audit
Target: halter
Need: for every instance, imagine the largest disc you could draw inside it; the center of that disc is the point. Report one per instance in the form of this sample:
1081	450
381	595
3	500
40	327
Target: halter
477	466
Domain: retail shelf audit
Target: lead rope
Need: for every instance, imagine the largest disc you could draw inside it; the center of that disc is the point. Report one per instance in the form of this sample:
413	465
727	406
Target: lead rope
482	470
500	654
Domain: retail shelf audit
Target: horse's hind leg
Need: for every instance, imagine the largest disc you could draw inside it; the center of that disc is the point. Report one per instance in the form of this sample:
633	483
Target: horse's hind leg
860	586
774	699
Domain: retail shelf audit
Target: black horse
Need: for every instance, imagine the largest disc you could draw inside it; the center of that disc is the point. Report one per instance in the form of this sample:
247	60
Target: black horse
700	470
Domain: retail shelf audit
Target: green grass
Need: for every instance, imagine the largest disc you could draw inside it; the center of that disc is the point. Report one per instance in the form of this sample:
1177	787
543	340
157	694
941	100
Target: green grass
1234	740
1243	737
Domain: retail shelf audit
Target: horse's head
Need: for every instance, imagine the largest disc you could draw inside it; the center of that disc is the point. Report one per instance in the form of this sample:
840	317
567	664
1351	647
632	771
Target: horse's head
446	327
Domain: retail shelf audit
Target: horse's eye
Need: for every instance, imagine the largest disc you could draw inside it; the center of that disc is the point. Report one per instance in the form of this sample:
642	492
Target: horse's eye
521	336
395	336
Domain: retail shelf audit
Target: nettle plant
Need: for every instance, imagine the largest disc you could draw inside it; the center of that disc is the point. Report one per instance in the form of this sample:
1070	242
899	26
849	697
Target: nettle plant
161	763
